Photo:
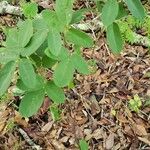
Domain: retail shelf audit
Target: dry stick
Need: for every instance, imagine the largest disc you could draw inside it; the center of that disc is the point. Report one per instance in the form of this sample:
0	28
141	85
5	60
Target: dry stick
28	140
6	8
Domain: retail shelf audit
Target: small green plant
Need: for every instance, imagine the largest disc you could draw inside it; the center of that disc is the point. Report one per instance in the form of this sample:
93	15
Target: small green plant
50	41
83	145
55	112
135	103
114	12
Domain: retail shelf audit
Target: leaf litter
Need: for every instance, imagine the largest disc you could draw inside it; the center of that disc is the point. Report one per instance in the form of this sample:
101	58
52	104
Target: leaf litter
96	109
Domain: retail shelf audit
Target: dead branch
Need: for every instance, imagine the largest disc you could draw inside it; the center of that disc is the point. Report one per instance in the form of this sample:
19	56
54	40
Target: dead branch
6	8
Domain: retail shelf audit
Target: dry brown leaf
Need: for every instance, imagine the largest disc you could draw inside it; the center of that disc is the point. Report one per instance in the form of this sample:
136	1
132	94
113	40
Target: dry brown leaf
4	115
121	118
58	145
18	119
110	141
146	141
47	127
139	130
97	134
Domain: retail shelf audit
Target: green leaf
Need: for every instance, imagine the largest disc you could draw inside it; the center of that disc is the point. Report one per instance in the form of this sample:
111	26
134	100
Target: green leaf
78	37
7	56
6	75
55	112
100	5
64	11
63	73
51	19
80	64
13	41
122	11
30	10
31	103
39	24
147	103
64	53
36	60
55	93
27	73
136	8
41	50
78	15
83	145
54	42
25	32
47	62
135	103
109	12
36	41
114	38
40	84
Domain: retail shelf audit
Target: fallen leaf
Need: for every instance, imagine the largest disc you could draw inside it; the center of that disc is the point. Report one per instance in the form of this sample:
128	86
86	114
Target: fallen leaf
47	127
139	130
18	119
146	141
110	141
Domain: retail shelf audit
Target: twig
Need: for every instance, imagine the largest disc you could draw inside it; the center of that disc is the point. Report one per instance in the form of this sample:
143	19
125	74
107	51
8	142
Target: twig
6	8
28	140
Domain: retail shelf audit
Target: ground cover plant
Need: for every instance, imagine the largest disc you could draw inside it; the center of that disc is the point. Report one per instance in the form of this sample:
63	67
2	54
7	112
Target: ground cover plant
50	42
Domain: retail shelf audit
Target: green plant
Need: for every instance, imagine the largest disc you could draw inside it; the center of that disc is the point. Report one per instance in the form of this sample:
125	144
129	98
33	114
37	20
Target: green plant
50	41
135	103
38	39
114	13
55	112
83	145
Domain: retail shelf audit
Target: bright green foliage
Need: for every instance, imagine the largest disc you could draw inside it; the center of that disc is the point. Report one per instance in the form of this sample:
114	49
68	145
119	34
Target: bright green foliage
110	12
6	56
79	38
40	84
136	8
55	112
6	76
135	103
83	145
63	73
12	41
55	93
47	62
25	32
122	12
114	38
54	42
80	64
31	103
147	103
36	41
64	54
51	20
64	11
78	15
30	10
26	72
19	38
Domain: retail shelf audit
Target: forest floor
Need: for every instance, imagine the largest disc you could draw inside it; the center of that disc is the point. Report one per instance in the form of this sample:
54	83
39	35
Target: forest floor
96	109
